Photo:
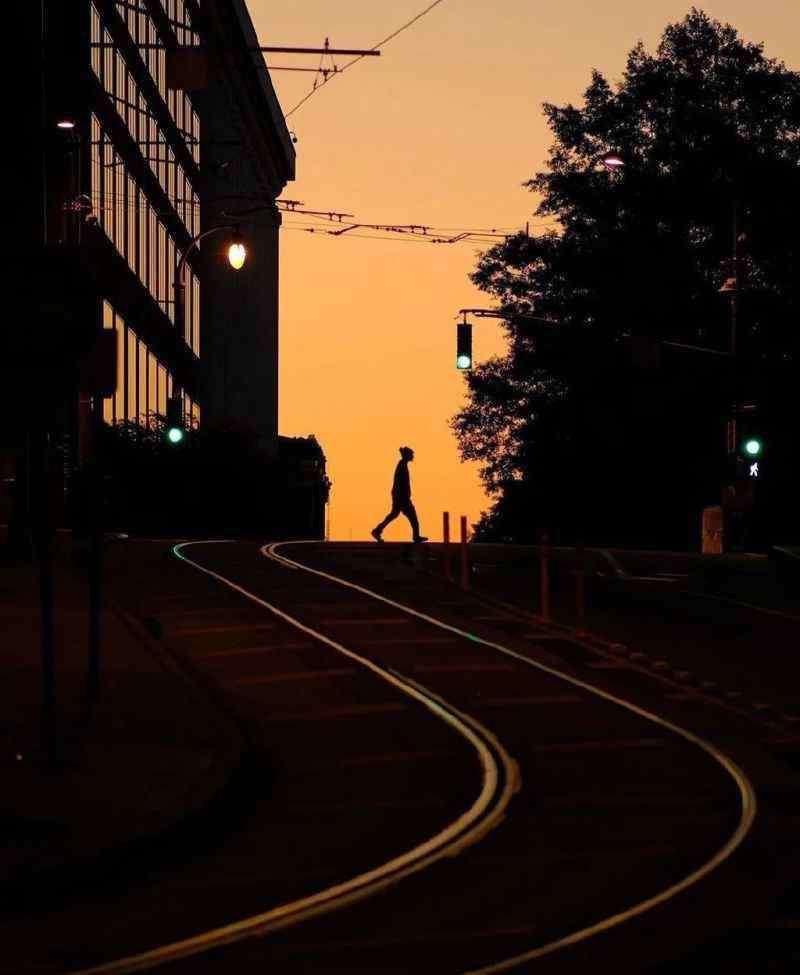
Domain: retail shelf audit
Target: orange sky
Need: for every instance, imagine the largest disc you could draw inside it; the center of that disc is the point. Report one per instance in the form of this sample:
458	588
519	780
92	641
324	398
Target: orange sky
441	130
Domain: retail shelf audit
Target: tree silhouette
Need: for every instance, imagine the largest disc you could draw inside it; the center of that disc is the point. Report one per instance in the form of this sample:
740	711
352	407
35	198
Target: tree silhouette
709	129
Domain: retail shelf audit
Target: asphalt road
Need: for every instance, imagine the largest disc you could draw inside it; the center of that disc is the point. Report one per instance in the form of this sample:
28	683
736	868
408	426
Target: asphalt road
347	772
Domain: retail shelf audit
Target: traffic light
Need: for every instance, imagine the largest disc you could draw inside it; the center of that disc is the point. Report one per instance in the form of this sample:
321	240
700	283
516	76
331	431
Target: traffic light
752	448
464	345
751	452
175	431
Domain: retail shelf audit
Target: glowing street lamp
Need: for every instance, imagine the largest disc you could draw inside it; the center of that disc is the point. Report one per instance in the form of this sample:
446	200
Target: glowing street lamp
613	161
65	123
237	254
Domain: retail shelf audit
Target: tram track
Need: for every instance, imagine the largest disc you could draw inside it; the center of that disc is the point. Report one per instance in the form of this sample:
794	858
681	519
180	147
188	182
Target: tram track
745	788
623	815
499	781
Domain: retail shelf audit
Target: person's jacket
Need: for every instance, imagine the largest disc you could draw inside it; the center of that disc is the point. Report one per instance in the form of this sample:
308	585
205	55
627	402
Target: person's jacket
401	486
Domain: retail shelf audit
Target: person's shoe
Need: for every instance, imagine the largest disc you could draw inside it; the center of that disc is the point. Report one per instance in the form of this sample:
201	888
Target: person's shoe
376	535
421	538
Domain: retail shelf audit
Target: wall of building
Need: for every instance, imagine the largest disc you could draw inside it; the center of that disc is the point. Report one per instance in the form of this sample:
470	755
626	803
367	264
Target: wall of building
246	159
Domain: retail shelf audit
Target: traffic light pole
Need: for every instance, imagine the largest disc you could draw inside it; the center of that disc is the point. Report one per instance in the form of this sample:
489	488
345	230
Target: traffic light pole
579	380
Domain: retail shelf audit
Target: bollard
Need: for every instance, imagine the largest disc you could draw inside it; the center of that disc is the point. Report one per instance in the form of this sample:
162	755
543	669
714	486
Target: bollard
544	579
464	559
448	570
580	595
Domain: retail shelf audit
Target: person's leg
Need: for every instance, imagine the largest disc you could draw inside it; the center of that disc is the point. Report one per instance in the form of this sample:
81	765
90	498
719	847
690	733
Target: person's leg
376	531
411	513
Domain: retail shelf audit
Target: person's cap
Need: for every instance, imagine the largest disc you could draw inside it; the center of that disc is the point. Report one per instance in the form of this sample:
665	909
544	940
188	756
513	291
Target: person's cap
406	450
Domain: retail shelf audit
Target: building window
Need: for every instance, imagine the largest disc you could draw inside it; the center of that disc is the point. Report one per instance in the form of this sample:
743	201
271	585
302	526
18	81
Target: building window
125	214
143	383
114	74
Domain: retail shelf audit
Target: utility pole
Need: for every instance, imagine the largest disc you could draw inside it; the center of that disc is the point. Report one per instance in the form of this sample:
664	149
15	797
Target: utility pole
735	290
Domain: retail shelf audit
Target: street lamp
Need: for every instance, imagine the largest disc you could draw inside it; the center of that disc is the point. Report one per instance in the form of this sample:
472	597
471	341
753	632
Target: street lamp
612	161
237	255
237	252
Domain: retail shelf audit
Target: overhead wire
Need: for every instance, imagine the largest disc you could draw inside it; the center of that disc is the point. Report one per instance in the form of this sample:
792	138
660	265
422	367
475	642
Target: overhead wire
318	86
323	221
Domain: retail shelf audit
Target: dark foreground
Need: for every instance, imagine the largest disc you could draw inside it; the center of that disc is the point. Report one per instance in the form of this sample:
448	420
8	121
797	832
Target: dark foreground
339	771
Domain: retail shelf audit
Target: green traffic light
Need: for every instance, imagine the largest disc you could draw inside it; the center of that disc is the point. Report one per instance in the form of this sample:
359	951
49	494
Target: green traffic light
464	362
174	434
752	447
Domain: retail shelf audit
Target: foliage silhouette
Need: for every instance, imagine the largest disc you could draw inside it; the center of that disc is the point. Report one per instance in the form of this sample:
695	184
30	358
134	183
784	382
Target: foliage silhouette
708	127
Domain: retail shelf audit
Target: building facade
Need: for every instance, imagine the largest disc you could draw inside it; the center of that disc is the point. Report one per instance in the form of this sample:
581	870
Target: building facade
126	160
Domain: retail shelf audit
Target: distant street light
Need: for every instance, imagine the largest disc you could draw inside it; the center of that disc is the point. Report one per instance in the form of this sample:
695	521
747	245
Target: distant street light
65	123
612	161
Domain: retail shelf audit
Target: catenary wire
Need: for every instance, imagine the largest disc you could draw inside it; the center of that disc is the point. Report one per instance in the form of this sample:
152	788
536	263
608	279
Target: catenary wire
349	64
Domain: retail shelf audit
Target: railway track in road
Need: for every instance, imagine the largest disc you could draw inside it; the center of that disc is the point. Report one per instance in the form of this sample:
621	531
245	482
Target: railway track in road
769	938
396	726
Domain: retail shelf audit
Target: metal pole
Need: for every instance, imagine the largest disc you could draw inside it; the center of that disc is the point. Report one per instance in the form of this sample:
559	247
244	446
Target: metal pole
464	554
95	488
544	579
448	569
735	292
580	591
41	486
179	287
581	477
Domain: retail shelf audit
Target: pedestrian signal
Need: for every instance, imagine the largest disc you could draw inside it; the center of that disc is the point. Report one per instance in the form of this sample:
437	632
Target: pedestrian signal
464	345
752	447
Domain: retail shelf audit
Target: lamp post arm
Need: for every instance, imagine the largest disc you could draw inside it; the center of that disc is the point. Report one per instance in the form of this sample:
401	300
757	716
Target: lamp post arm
179	284
194	242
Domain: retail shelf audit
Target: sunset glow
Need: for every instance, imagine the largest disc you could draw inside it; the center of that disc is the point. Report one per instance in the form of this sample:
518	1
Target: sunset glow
441	130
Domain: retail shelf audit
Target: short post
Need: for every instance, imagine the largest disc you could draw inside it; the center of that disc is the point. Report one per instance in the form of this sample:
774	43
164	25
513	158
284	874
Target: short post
544	579
580	593
464	558
448	569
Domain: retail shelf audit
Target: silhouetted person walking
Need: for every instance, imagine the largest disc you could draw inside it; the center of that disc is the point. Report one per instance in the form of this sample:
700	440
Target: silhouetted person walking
401	499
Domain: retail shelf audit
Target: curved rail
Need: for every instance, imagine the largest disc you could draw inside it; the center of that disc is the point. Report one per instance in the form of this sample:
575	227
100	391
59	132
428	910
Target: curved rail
745	788
500	780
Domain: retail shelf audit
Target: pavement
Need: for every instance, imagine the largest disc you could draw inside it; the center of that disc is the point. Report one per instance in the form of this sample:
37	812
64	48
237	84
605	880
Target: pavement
125	774
333	786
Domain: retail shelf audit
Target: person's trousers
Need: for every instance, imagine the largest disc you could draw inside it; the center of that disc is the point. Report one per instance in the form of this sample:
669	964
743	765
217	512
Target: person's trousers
401	508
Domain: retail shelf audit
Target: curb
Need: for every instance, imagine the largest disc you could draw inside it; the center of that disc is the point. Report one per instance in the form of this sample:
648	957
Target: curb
759	712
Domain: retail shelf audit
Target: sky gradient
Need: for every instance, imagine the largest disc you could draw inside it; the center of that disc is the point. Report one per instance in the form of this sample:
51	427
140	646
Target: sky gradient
441	130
